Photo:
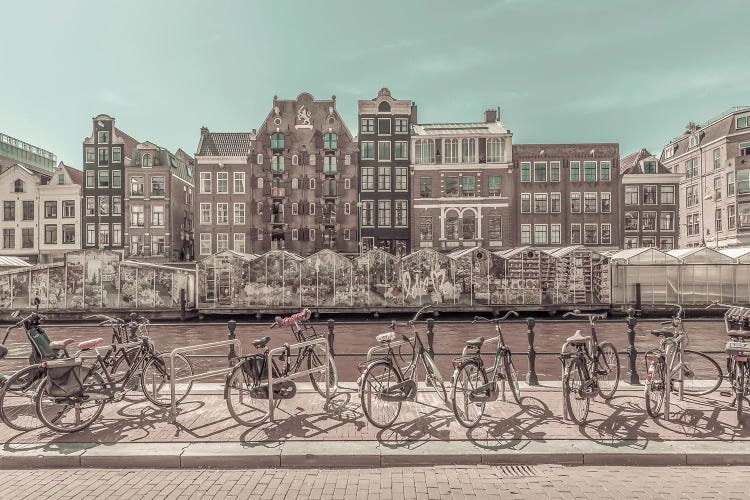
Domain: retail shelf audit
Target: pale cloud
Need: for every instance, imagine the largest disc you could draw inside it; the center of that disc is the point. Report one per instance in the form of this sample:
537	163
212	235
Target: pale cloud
111	97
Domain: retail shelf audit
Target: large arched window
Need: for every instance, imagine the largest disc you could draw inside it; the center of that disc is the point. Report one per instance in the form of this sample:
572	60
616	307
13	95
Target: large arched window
494	150
18	186
147	160
384	107
277	141
451	224
330	141
468	225
450	151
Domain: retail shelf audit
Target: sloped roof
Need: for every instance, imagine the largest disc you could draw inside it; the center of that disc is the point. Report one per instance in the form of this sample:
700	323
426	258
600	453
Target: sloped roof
645	256
469	128
631	164
75	175
129	143
701	255
7	261
224	143
713	129
742	254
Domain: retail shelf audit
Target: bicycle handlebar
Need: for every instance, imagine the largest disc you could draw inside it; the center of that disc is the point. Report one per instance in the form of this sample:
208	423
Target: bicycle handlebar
680	310
591	316
481	319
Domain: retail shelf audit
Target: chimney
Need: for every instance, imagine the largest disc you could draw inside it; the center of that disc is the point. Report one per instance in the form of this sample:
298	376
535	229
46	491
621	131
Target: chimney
490	116
204	131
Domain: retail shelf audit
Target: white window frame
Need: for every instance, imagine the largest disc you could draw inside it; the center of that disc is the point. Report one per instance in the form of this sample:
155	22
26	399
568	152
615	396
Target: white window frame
552	232
580	233
372	144
312	209
531	208
239	176
295	234
222	177
201	211
546	234
311	183
237	240
241	218
390	152
583	234
559	202
203	177
390	127
405	145
225	206
531	236
222	237
601	234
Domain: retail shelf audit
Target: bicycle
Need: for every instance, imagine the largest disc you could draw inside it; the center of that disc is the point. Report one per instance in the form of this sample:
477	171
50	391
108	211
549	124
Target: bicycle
72	395
738	355
695	373
383	384
472	389
246	387
591	368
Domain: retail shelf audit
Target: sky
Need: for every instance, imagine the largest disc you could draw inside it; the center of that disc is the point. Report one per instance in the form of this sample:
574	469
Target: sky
628	71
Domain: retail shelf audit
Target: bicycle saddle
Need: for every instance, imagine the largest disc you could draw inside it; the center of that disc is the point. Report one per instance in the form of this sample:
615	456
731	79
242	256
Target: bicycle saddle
663	332
577	338
386	337
56	345
742	334
90	344
477	342
261	342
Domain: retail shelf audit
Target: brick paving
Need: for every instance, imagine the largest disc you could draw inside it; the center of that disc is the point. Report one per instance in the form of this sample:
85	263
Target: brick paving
450	482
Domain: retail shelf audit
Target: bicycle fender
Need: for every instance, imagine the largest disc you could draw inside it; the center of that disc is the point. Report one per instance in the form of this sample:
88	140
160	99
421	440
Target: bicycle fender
461	361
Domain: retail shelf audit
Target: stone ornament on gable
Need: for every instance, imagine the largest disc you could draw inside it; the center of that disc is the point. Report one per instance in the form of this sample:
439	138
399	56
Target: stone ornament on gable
303	117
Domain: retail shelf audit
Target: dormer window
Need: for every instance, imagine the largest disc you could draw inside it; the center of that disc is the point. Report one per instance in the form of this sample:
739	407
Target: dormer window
18	186
277	141
669	152
743	122
693	141
649	167
102	137
147	160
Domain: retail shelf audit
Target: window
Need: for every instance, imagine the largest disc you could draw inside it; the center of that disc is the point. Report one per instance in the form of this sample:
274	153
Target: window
743	181
743	210
239	213
69	209
384	126
730	184
157	245
157	215
90	234
104	205
402	212
27	237
384	178
526	234
649	221
50	210
631	221
28	210
368	150
277	141
205	213
575	172
222	182
259	159
540	234
347	208
259	208
90	205
425	187
89	155
260	234
554	171
469	150
329	187
18	186
555	203
525	171
424	151
239	182
367	214
589	203
222	213
147	161
103	178
691	196
330	140
718	219
9	238
451	186
667	195
102	137
525	203
450	151
384	213
347	234
103	156
494	150
136	216
384	151
402	177
744	148
590	234
222	242
631	242
90	179
425	228
368	125
693	141
540	203
451	225
116	179
606	234
116	155
731	216
606	201
605	170
136	186
717	158
493	185
717	188
157	185
589	171
401	150
311	233
468	183
277	166
9	210
69	234
691	167
666	243
295	162
50	234
116	205
649	167
575	203
495	227
555	235
295	234
311	184
649	195
205	243
239	242
295	208
540	171
368	178
743	122
402	126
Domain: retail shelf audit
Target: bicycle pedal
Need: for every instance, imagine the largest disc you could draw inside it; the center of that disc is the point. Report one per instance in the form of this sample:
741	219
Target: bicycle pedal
726	394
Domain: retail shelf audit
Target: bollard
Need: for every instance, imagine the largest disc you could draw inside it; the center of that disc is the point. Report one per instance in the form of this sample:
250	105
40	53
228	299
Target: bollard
632	375
637	297
531	377
431	335
183	303
331	324
232	326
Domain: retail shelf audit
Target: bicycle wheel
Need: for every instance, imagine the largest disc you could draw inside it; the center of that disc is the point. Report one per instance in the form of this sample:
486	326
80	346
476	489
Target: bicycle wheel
655	389
702	375
434	378
121	365
576	402
17	408
512	378
466	379
244	399
74	413
319	380
379	377
155	379
608	370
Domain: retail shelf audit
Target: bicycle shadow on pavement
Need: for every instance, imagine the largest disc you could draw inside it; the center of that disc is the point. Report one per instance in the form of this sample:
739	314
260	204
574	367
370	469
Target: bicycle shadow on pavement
508	431
617	422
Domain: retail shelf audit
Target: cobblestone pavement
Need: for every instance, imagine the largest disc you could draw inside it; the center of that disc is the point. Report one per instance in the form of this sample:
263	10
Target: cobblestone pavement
490	482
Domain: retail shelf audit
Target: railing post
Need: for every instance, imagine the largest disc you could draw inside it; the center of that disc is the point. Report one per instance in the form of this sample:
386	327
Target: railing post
637	296
183	303
632	375
531	377
232	327
331	336
431	335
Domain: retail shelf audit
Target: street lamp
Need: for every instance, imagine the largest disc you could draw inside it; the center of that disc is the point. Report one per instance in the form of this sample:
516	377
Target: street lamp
709	197
359	224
